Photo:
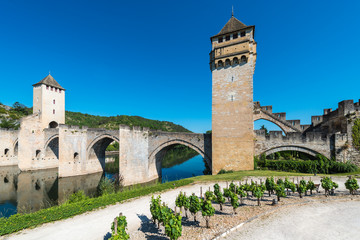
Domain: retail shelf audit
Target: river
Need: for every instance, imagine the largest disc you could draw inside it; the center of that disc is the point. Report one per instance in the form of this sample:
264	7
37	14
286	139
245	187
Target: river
24	192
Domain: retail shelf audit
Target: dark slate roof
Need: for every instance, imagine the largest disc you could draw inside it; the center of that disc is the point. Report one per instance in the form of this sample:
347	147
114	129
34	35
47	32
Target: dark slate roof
231	26
50	81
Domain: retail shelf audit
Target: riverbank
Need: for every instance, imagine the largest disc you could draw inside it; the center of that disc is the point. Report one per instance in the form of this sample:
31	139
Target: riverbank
96	224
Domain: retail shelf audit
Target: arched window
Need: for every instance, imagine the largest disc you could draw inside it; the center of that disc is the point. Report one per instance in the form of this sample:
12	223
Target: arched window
76	156
243	59
227	62
53	124
6	152
235	61
37	153
220	64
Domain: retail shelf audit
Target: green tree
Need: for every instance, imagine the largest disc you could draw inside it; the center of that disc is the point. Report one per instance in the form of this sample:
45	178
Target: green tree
265	129
356	134
9	124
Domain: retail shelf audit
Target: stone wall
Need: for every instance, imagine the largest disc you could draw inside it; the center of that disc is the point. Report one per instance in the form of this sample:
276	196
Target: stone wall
311	143
8	147
133	155
33	141
232	117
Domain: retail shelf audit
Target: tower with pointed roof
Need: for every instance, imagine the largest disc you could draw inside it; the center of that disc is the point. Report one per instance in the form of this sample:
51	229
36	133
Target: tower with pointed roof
49	101
232	63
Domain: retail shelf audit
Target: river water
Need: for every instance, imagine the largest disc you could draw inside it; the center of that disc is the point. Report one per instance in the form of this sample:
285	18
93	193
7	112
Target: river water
24	192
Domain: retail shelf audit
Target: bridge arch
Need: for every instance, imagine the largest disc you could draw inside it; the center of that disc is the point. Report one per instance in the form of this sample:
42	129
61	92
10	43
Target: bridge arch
52	147
16	147
156	156
274	122
96	150
302	149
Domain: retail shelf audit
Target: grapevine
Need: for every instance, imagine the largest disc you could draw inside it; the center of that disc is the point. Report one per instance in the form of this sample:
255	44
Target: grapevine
352	185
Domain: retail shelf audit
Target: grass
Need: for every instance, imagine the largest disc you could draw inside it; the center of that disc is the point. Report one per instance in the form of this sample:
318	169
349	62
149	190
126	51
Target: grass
241	174
18	222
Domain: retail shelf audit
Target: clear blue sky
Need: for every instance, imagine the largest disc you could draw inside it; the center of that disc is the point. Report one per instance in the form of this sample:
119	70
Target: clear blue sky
150	58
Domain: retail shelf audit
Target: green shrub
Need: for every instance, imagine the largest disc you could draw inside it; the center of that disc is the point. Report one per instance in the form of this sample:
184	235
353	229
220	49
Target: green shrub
222	171
194	205
106	186
207	210
310	186
322	165
270	185
352	185
77	197
328	185
182	201
120	233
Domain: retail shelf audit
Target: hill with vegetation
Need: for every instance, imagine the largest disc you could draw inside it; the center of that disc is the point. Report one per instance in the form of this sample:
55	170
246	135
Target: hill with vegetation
10	118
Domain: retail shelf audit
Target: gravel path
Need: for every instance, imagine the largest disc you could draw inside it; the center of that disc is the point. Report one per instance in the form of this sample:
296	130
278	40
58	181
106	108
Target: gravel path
96	224
326	220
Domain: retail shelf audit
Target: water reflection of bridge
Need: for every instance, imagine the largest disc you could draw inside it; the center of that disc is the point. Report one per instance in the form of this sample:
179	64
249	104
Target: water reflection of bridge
34	190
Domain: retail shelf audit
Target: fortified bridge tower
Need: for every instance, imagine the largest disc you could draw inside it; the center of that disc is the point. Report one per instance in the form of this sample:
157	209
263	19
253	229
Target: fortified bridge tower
232	63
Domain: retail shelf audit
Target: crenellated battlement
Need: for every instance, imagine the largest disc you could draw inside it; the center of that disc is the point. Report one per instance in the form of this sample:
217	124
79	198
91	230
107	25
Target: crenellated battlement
345	108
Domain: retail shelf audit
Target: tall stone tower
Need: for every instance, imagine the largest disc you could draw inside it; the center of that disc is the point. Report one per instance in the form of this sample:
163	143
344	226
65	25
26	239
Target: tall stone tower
232	63
49	101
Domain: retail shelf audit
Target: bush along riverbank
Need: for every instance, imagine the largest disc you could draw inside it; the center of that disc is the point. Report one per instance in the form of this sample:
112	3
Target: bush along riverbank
320	165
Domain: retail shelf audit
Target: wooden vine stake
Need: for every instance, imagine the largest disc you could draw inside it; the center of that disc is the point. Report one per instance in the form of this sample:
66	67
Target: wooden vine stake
115	226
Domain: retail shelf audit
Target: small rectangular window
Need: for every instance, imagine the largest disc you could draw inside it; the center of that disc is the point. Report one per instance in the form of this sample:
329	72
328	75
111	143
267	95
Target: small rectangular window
54	111
54	101
47	87
55	89
52	88
220	40
242	34
59	90
235	35
227	38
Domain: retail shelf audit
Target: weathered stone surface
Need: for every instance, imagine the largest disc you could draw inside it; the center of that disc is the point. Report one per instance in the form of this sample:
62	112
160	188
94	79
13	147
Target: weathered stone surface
232	63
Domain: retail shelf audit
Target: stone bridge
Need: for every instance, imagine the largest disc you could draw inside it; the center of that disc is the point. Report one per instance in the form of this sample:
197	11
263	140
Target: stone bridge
311	143
142	150
80	151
